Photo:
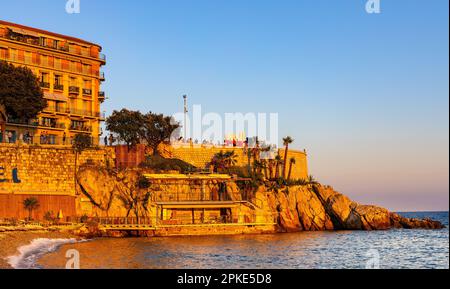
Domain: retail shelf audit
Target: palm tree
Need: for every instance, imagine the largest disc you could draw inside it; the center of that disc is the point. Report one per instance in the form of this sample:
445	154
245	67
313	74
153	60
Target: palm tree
230	159
265	169
270	167
312	180
278	162
30	204
291	163
249	160
286	141
223	160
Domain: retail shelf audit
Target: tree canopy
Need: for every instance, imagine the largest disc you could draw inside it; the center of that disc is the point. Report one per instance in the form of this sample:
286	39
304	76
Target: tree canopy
82	142
20	92
126	125
132	127
157	129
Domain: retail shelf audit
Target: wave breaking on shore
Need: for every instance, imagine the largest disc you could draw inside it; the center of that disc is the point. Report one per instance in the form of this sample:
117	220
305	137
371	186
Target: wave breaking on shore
30	254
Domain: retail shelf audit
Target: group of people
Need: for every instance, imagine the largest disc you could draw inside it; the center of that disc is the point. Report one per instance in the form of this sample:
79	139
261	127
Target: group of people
10	137
109	140
226	143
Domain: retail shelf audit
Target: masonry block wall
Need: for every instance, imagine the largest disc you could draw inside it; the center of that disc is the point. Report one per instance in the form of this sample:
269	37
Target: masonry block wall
200	157
45	173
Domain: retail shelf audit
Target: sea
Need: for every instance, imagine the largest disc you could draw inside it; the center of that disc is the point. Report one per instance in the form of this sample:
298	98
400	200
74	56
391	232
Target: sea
393	249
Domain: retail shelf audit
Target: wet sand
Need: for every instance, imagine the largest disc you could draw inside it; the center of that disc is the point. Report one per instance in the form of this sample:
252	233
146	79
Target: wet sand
11	241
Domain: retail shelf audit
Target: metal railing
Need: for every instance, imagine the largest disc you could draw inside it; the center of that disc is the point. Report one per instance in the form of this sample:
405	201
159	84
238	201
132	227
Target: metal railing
198	218
58	86
83	128
83	112
44	140
87	91
35	124
74	89
190	197
45	84
56	46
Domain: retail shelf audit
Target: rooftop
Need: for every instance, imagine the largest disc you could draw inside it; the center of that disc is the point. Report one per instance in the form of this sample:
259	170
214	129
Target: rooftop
41	31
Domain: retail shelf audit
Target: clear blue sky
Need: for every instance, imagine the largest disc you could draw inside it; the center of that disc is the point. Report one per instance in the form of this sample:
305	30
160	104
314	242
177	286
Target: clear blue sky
366	95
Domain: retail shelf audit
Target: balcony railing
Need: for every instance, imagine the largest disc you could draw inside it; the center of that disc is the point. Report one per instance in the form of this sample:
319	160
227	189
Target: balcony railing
29	123
102	75
58	87
45	140
82	112
101	94
34	124
37	42
53	125
74	89
57	109
82	128
45	84
87	91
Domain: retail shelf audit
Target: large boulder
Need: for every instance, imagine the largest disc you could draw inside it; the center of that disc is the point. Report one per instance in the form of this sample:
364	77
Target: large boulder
311	212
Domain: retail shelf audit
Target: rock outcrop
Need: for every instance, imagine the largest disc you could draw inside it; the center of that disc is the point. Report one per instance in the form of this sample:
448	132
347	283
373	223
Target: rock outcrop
295	208
320	208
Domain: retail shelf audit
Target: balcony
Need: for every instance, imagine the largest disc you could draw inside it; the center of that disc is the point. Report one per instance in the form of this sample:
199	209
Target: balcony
58	87
45	85
81	128
28	123
87	91
74	90
52	125
85	113
36	41
57	109
101	95
102	76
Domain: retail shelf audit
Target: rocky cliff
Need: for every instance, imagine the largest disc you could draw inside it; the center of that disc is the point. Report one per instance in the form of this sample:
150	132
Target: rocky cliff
319	208
296	208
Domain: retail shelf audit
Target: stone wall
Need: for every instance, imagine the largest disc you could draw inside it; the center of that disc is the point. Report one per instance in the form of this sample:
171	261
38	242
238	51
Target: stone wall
36	171
201	156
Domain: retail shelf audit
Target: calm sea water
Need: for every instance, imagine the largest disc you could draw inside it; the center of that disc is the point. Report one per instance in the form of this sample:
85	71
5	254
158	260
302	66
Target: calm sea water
395	249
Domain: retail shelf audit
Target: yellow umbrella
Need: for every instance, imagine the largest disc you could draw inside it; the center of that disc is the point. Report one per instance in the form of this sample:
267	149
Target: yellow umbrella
60	215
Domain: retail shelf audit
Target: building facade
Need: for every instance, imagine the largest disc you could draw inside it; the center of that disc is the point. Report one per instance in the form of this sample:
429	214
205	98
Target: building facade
69	71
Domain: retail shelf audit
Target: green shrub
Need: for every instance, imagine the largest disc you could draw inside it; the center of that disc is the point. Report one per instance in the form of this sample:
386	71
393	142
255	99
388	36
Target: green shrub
160	164
49	216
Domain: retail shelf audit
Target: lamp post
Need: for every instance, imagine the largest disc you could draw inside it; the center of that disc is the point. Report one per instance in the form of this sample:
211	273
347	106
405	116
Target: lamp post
185	116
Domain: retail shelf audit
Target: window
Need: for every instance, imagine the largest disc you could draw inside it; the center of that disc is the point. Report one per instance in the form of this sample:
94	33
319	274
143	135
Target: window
27	57
87	84
3	53
44	60
86	69
57	63
45	80
58	79
58	84
73	81
14	54
42	41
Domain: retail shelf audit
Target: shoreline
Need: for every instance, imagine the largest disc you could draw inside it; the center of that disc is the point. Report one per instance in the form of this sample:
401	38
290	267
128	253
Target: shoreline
11	241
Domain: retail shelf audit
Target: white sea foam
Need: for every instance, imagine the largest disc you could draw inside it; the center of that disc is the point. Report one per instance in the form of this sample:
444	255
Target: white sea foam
29	254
